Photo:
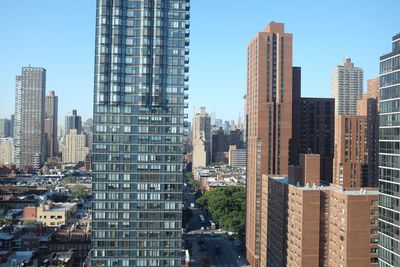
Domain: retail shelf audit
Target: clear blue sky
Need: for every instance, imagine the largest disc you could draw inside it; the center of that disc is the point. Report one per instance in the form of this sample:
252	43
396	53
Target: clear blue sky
59	35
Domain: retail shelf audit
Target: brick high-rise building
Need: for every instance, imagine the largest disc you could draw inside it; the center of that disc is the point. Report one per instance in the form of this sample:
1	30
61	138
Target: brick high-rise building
51	119
269	128
368	106
29	137
389	157
347	86
350	161
313	225
220	145
313	132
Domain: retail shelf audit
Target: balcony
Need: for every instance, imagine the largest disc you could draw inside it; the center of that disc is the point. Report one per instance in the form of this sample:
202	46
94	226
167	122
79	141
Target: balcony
187	33
186	96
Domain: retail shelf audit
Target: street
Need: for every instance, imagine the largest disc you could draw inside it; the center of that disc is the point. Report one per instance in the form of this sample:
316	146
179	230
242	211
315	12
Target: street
209	247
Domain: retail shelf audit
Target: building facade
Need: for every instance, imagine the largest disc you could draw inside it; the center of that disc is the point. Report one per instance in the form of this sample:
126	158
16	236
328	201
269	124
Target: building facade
368	106
313	225
314	125
389	157
269	128
73	121
202	139
140	77
29	137
75	149
51	119
6	150
5	128
347	86
237	157
350	163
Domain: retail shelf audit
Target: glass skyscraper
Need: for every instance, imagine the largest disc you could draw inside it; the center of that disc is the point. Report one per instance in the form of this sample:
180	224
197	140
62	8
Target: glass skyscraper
140	78
389	157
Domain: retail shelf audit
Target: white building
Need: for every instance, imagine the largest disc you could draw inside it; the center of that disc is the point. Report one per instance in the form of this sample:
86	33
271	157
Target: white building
201	139
75	149
347	86
6	150
237	157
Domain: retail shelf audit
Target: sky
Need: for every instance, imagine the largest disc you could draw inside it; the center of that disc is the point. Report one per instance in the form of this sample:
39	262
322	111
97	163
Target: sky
59	36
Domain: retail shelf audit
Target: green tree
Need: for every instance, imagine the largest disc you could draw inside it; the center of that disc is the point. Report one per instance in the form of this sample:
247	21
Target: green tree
69	179
79	191
226	205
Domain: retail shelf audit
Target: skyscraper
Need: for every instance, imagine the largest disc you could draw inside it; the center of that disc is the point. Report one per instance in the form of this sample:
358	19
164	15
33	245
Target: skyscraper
368	106
51	118
389	157
5	128
73	121
347	86
75	149
350	163
29	138
269	128
202	139
140	77
314	125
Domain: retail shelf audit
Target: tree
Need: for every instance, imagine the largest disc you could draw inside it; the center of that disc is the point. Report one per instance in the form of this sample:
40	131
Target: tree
79	191
226	205
69	179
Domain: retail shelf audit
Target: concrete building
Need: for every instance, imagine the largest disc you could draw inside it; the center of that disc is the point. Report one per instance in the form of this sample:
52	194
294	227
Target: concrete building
138	122
237	157
347	86
5	128
6	151
269	128
87	129
51	119
350	163
75	149
202	139
389	157
51	214
73	121
29	137
368	106
315	225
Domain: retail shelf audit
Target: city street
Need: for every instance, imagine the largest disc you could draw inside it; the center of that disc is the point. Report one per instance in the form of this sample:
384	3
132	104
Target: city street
209	247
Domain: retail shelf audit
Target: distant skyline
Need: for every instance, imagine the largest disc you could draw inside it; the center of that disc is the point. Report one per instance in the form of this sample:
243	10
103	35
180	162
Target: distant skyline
59	36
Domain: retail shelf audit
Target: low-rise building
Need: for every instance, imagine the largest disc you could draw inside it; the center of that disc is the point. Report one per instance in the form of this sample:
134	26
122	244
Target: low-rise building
54	214
237	157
